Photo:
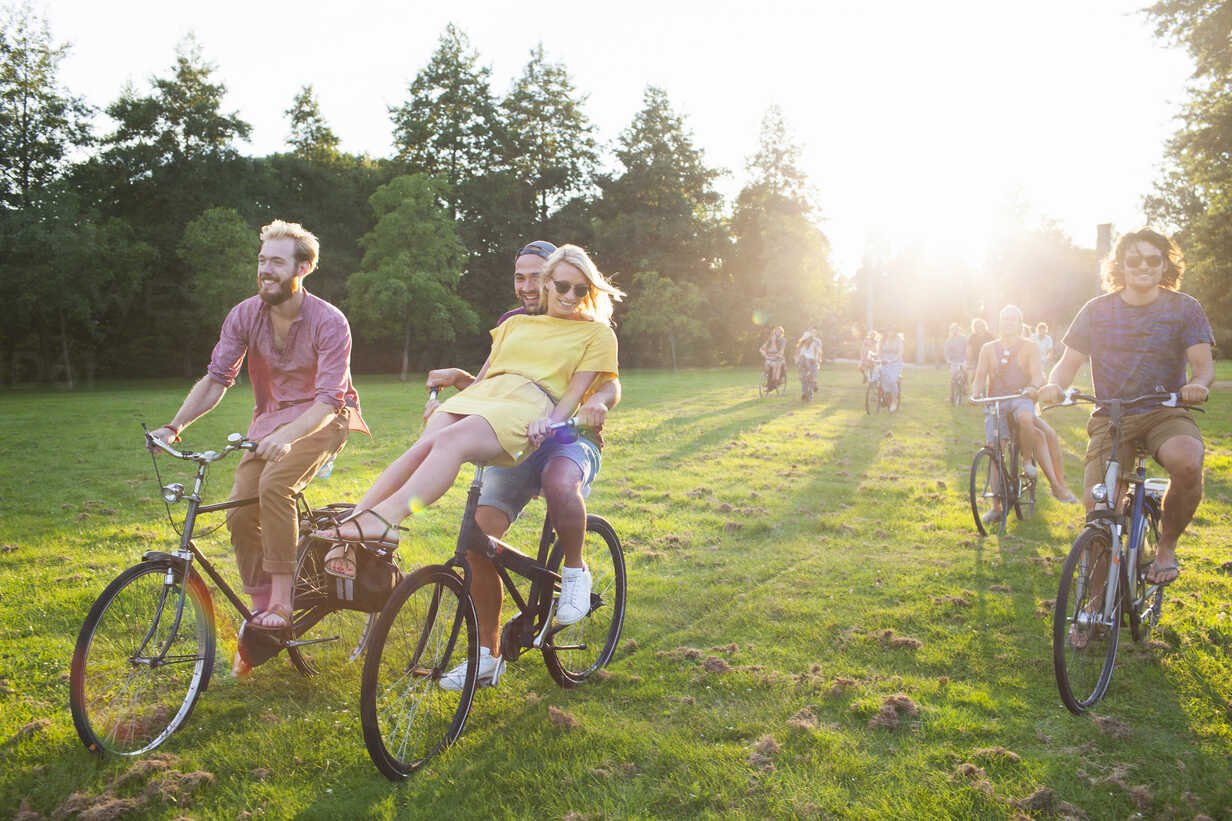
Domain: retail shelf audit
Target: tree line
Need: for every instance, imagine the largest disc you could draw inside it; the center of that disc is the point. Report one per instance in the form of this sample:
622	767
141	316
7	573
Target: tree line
121	251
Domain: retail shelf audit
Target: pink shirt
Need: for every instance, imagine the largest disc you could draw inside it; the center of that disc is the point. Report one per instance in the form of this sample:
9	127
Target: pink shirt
313	366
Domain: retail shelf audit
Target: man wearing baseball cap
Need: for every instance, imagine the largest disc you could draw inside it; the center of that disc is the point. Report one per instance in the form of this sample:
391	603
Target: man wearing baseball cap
561	472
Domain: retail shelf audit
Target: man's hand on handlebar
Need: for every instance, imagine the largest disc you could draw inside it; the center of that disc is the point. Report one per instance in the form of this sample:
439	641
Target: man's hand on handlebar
1051	394
592	414
1194	394
166	434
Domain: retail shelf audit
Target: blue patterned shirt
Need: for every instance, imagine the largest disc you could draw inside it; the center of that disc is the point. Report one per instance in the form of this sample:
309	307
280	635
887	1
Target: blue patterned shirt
1138	349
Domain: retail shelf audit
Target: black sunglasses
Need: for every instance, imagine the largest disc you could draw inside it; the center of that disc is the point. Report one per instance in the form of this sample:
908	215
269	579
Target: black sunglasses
580	289
1151	261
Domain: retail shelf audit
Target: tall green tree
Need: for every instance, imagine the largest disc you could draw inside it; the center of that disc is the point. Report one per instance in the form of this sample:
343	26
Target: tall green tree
660	212
449	125
407	289
219	251
663	322
311	136
551	140
41	123
1194	193
779	268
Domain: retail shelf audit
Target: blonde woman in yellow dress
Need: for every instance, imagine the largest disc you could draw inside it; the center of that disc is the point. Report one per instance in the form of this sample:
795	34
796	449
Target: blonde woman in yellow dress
540	369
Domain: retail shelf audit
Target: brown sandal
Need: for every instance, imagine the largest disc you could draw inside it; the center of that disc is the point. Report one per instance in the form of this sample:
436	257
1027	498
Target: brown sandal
280	610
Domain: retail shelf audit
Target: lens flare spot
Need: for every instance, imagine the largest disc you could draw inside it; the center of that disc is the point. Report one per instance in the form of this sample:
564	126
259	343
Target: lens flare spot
416	504
759	317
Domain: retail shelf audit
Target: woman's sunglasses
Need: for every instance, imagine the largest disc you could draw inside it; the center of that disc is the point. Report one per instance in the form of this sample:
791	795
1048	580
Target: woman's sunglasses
580	289
1151	261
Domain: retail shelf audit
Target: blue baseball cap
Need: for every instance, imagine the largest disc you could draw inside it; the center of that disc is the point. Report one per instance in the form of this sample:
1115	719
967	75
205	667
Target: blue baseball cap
539	248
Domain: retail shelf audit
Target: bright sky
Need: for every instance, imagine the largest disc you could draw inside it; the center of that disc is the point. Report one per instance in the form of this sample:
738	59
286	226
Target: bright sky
915	118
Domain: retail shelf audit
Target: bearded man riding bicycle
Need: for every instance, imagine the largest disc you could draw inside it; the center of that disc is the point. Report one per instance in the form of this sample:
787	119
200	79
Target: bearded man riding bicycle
1139	337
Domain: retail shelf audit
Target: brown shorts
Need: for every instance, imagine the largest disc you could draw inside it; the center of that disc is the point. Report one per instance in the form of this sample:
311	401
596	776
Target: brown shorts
1147	431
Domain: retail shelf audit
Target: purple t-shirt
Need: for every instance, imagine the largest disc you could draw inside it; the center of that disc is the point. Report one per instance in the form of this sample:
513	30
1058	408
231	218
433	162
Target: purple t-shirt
1138	349
314	364
515	312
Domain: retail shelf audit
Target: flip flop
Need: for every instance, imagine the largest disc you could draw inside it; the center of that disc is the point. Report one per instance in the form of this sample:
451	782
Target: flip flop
1154	569
281	611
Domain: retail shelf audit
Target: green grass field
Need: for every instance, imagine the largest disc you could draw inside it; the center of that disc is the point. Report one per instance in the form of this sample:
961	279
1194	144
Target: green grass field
814	629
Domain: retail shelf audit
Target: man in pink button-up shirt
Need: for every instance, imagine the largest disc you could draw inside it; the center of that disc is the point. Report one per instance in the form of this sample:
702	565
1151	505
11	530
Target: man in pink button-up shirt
299	353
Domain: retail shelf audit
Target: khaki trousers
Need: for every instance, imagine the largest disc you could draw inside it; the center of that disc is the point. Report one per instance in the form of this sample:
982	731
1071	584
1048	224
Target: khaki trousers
264	535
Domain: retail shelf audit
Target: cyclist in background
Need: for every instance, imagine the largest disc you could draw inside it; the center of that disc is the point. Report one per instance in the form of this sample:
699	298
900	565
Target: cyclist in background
956	350
1009	365
868	348
1139	337
1044	340
808	358
773	351
891	352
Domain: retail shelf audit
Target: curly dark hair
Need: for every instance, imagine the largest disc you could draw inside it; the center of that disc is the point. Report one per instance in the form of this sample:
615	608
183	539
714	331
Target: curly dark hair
1112	270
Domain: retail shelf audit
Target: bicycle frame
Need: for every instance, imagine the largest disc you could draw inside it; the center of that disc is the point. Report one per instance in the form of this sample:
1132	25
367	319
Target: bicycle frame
504	557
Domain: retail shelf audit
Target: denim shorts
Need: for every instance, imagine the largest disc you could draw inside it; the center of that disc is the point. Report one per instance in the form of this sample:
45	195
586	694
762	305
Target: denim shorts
509	489
1008	406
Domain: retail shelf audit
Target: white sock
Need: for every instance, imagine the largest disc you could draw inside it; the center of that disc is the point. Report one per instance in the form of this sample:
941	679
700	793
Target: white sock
572	572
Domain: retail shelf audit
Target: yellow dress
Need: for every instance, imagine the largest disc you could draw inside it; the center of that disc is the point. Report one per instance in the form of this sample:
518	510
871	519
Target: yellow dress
533	358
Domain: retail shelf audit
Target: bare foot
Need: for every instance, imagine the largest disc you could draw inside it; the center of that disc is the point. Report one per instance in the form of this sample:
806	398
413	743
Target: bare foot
1065	497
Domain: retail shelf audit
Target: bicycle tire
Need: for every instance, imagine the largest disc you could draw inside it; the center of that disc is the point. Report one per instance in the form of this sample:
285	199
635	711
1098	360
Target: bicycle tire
408	652
595	636
1145	607
871	399
984	490
894	402
128	708
1083	673
312	607
764	385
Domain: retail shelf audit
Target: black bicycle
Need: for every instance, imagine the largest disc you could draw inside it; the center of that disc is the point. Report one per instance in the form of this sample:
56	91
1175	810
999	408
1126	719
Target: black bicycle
429	627
1103	581
145	652
808	378
998	482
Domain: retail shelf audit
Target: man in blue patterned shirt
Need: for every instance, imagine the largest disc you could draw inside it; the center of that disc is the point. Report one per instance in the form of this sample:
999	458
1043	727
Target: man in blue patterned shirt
1140	336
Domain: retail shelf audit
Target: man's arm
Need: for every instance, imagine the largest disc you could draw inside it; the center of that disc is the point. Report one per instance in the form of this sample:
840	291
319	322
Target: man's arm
278	444
203	398
1201	374
979	382
594	410
1062	375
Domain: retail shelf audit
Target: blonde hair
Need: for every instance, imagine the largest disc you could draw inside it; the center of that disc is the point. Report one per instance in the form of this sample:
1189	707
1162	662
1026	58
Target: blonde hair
597	305
307	246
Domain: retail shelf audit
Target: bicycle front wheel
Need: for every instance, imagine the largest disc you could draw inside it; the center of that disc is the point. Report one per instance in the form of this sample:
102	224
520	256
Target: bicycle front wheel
763	386
427	628
1084	645
986	494
871	399
575	652
315	615
140	663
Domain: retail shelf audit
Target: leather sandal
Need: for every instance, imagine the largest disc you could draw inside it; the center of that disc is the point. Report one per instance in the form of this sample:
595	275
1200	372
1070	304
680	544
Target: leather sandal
342	550
281	611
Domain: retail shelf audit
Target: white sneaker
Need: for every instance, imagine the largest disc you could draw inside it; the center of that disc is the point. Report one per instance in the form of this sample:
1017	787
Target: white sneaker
490	669
991	517
574	594
1030	469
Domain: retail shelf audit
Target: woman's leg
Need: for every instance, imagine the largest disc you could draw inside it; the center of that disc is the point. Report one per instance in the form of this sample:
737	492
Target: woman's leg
469	439
394	476
1051	460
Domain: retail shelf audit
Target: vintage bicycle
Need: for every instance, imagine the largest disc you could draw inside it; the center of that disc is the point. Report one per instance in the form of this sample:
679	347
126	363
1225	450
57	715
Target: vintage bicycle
1103	581
429	627
875	398
999	479
145	652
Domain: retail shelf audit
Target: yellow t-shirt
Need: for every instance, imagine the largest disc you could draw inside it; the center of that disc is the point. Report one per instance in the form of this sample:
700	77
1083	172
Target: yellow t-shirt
549	351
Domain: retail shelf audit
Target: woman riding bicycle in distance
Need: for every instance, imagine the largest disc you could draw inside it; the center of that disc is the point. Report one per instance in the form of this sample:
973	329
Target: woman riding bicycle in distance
891	354
773	352
502	416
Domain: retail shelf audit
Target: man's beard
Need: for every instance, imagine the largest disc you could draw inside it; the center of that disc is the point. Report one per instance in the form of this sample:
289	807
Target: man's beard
285	291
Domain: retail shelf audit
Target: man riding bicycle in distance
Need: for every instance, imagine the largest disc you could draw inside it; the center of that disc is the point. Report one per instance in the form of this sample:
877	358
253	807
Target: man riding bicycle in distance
956	350
1139	336
561	472
1011	364
808	357
299	362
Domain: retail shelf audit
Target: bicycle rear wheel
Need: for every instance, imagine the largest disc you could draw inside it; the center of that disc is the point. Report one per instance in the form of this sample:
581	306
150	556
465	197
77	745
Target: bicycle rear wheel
575	652
1083	647
986	493
315	615
136	672
763	387
871	399
406	716
1022	488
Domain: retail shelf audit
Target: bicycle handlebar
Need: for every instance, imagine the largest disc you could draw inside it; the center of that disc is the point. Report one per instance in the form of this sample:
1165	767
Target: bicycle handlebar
986	400
235	441
1168	400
